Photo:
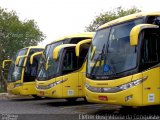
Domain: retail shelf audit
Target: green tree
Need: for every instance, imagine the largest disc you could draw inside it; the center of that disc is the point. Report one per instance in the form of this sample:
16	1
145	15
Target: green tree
105	17
16	34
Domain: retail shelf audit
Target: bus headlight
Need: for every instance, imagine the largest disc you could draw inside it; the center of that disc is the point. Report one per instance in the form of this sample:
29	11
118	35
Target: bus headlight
50	85
101	90
93	89
54	84
18	84
117	88
131	84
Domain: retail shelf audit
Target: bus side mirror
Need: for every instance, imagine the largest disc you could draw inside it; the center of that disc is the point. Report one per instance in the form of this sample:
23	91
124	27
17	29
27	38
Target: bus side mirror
56	50
19	60
77	49
34	55
134	34
4	63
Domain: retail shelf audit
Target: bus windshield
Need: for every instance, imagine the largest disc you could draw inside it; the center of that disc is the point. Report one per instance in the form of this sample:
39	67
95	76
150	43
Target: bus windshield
15	72
110	52
48	67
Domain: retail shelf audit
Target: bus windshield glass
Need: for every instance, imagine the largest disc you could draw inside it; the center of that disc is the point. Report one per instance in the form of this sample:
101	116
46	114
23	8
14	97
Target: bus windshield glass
16	71
48	67
110	52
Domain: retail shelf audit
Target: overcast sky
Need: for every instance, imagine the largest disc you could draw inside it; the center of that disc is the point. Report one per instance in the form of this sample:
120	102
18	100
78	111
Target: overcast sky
57	18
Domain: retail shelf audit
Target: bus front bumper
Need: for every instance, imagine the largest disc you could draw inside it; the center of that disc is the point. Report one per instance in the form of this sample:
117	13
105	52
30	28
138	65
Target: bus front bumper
53	92
129	97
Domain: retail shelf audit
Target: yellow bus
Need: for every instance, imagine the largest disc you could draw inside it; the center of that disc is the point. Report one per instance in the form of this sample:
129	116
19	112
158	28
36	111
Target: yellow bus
62	68
123	64
22	74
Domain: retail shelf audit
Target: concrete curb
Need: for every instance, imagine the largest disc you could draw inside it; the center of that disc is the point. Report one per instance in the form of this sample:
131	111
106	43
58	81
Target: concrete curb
4	96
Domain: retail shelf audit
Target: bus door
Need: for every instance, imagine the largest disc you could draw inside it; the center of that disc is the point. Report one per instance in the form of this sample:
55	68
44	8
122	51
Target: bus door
81	52
149	65
70	73
30	73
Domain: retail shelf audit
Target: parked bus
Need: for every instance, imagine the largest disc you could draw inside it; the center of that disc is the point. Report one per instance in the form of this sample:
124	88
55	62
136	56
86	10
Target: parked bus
123	64
62	67
22	74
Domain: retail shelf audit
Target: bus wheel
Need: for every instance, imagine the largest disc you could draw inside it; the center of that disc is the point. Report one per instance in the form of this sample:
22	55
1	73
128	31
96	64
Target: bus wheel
71	99
36	97
85	100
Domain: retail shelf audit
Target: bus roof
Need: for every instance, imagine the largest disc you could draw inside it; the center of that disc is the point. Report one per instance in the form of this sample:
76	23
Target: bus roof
77	35
128	17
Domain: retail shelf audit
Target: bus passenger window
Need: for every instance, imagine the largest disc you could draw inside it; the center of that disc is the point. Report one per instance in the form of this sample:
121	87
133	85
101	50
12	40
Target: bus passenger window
150	51
34	67
154	20
31	69
82	55
69	62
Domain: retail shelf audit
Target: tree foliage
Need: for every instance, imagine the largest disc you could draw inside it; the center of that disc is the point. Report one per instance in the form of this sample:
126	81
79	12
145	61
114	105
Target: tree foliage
16	34
105	17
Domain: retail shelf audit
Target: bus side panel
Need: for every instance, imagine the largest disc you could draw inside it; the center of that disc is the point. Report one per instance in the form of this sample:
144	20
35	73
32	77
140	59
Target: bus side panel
151	91
53	92
81	84
70	88
28	88
57	91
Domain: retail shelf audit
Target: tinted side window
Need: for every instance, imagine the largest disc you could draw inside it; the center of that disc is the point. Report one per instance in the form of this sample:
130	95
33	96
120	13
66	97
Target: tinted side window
150	51
154	20
83	54
70	62
31	69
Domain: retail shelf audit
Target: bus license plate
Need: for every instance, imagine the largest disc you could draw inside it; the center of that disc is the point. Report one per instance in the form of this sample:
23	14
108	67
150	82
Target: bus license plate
42	93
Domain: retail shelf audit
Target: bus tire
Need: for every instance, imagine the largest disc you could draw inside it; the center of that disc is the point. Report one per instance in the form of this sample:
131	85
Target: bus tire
85	100
36	97
71	99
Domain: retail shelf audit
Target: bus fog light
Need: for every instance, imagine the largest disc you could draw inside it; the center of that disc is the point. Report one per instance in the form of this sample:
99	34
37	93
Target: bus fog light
127	98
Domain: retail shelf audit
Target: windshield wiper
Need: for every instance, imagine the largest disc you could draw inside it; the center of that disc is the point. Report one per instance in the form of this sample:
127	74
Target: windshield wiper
110	66
104	55
101	54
